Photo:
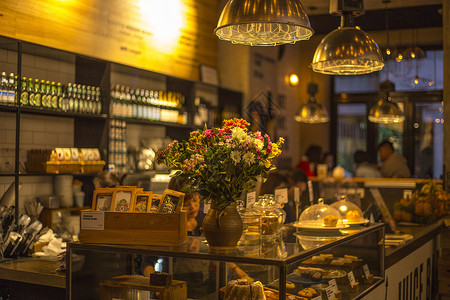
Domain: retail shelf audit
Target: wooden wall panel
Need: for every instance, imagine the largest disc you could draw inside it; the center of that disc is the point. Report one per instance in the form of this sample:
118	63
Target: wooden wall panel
166	36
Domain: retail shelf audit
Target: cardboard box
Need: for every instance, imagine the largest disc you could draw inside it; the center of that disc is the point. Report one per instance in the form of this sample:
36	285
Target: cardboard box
133	228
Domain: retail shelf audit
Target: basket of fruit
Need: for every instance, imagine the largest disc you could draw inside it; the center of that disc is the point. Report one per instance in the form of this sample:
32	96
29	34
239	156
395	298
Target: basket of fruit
425	206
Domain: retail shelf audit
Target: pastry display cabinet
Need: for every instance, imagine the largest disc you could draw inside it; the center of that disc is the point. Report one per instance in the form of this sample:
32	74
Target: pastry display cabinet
281	265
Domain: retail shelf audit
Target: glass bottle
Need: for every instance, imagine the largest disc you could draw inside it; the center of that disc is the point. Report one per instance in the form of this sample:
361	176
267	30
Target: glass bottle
46	98
53	96
98	100
69	95
4	89
25	91
11	89
60	96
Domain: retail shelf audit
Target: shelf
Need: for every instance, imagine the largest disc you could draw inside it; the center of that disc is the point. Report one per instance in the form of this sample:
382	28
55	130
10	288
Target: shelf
8	108
50	112
7	174
56	174
148	122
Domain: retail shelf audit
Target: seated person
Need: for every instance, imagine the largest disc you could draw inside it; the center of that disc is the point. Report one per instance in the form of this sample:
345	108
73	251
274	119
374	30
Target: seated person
363	167
394	164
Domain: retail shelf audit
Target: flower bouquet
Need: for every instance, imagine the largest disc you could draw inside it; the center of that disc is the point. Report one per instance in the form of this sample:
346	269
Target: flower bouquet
424	206
221	164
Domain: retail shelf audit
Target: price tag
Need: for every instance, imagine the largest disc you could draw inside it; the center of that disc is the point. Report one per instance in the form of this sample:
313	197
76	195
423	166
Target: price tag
407	194
296	195
333	285
366	270
281	195
351	278
251	198
317	298
330	293
93	220
206	208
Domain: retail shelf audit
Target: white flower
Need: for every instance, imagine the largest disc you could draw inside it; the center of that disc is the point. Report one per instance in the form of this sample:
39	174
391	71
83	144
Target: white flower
259	144
235	156
249	158
239	134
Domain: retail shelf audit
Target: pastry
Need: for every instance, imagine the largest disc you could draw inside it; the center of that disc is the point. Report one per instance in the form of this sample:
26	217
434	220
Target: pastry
318	259
330	221
160	278
316	276
337	262
353	258
307	292
242	289
290	285
329	256
353	215
338	294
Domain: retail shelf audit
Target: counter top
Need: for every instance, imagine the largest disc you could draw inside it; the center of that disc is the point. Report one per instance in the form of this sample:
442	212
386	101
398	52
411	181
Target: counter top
421	234
34	271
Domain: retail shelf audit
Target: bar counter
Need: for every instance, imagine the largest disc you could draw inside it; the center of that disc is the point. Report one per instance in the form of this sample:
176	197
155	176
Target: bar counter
44	280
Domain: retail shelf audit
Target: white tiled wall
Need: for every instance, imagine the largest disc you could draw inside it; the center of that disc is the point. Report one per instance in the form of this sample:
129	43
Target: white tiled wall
37	132
39	67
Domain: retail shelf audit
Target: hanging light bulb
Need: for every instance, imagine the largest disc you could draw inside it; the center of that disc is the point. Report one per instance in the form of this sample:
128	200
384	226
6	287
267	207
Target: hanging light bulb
312	112
386	111
347	50
263	22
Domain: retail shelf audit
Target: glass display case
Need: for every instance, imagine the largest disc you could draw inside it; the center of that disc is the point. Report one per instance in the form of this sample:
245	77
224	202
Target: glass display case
285	266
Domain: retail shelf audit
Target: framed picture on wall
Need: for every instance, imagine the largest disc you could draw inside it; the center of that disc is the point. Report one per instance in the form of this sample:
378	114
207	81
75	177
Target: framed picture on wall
209	74
102	199
123	199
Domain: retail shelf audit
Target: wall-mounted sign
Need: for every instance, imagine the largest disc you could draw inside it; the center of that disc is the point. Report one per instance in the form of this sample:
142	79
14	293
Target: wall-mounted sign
170	37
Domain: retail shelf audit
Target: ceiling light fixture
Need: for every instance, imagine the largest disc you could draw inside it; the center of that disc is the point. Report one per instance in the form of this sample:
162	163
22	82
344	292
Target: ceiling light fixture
386	111
312	112
263	22
347	50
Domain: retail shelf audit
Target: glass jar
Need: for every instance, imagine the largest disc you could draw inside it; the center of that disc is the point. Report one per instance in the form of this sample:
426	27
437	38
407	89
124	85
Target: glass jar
320	215
251	220
272	215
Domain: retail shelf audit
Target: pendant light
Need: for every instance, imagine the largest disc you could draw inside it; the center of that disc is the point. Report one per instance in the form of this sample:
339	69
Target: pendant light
263	22
386	111
347	50
312	112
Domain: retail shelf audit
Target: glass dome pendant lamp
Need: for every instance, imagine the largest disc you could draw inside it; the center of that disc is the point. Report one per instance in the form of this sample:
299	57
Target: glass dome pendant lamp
312	112
386	111
263	22
347	50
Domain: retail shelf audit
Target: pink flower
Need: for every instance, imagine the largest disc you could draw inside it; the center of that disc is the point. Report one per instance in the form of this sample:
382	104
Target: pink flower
208	133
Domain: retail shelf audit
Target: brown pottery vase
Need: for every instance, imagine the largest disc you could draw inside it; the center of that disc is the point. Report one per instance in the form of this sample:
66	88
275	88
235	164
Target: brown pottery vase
222	227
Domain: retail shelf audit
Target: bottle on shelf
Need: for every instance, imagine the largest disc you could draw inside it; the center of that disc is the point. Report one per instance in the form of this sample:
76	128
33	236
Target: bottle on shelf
25	90
11	89
39	93
53	96
4	89
69	95
76	102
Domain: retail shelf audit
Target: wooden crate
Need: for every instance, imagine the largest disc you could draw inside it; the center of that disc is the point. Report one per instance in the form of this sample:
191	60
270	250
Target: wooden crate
118	288
130	228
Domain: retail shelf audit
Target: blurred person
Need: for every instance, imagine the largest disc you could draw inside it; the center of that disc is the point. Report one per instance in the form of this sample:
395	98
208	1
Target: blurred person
328	159
363	167
394	164
308	163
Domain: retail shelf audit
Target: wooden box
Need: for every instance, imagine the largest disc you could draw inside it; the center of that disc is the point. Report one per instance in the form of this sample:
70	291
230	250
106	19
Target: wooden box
132	228
119	288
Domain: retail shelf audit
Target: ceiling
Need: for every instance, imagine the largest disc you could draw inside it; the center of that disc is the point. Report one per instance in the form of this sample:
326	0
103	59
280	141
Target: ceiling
402	14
